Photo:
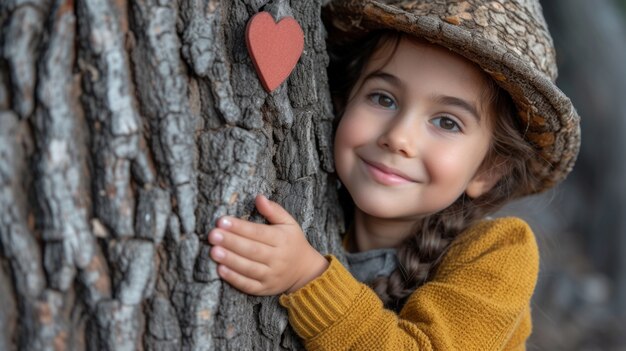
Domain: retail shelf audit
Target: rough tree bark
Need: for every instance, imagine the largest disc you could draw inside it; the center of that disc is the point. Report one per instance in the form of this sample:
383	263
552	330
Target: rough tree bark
126	129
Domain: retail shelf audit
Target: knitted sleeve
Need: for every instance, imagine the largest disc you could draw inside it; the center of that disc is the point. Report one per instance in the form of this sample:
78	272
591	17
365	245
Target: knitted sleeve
478	300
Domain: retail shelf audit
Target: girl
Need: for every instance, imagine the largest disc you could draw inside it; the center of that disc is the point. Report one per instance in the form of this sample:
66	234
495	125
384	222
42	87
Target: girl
443	119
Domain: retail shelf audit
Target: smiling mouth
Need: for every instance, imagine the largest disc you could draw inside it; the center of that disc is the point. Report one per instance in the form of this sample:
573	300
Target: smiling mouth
384	175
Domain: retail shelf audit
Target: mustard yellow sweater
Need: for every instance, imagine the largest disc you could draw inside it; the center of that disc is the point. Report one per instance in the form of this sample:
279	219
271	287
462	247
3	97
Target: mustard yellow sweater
478	299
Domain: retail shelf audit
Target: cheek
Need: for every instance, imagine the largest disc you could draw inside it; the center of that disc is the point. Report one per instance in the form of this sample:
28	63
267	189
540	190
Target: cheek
456	165
350	133
357	126
451	165
341	147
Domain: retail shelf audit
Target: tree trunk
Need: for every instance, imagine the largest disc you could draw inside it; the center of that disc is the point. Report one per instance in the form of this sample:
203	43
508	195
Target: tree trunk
126	130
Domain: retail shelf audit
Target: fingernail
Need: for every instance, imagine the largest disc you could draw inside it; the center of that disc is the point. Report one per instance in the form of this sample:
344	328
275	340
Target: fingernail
224	223
217	237
218	253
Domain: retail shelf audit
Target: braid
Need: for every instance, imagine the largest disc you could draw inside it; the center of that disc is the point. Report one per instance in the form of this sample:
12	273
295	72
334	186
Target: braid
420	253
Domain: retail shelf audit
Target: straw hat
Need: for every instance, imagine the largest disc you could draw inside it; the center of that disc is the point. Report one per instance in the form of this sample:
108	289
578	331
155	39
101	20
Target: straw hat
510	41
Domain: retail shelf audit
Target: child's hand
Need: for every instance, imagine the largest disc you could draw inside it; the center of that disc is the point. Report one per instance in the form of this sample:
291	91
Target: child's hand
265	259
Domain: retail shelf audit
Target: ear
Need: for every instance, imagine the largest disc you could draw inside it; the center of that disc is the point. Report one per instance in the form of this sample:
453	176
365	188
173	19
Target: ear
484	180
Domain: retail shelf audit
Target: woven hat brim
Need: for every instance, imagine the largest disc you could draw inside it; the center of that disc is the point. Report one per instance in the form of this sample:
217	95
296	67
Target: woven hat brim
551	121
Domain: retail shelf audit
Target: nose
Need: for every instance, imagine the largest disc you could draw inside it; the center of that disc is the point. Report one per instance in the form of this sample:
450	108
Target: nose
400	137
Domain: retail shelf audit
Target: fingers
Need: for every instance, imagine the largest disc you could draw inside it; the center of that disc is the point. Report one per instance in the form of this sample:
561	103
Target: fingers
242	246
273	212
250	230
241	265
248	252
240	282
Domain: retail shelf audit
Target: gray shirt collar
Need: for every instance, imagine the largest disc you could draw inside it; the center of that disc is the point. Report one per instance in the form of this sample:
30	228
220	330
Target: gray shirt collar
368	265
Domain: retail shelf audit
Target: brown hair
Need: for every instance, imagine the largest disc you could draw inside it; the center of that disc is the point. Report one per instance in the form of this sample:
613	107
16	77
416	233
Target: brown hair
420	253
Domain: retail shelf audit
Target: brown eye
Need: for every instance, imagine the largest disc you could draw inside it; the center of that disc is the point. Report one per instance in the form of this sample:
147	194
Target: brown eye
447	124
383	101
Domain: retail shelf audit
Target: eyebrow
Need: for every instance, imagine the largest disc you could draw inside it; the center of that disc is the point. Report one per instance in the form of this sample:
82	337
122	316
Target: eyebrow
440	99
458	102
389	78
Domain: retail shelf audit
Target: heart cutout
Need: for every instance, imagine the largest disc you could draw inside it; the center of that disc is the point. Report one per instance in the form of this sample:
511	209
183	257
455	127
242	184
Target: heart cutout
275	48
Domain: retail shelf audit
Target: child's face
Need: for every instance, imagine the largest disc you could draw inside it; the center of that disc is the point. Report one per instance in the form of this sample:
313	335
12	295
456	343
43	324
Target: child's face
414	132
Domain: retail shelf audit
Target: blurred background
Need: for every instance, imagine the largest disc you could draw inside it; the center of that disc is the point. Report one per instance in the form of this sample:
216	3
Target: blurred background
580	301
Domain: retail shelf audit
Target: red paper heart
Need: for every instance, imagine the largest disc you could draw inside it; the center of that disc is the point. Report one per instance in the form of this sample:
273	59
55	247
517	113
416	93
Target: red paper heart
274	47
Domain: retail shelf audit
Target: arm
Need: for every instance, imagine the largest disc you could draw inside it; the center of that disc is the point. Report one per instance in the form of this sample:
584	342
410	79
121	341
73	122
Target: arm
336	312
477	300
